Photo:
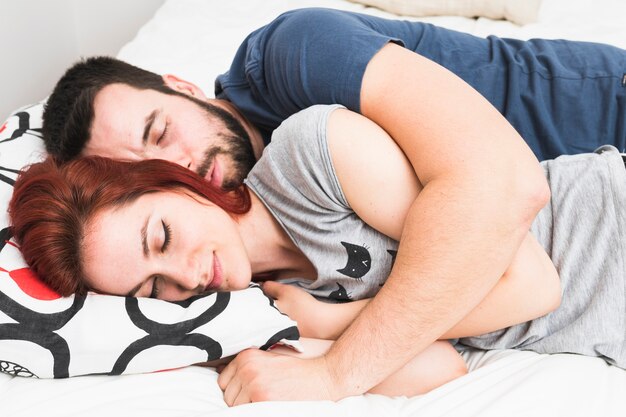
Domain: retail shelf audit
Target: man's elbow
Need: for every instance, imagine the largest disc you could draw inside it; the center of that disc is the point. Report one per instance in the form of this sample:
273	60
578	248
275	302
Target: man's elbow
534	193
540	194
554	291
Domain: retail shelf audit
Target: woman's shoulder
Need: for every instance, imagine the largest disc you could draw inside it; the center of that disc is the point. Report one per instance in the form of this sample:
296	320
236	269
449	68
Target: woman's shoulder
300	142
298	158
304	127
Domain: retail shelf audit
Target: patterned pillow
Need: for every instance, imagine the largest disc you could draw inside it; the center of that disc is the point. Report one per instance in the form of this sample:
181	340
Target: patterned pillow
44	335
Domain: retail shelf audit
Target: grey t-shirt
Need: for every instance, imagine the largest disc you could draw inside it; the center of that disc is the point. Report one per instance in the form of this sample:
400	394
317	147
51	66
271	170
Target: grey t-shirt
297	182
582	229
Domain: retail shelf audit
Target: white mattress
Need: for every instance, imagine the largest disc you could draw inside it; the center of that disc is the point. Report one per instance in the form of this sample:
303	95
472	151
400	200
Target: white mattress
196	39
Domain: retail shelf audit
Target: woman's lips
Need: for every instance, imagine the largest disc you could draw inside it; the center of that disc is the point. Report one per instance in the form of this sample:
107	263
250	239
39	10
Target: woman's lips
217	275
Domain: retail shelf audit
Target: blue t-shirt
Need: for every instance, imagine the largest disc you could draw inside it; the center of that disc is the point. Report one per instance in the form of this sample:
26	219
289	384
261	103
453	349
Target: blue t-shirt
563	97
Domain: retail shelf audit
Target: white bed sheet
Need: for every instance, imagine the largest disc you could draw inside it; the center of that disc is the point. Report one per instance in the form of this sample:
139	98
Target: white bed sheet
196	39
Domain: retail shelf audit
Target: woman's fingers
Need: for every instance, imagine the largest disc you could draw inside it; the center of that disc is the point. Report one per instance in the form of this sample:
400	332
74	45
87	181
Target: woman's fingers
242	398
273	289
229	383
227	374
232	392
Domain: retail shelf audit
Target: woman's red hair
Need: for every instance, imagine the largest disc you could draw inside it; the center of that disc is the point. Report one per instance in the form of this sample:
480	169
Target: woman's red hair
52	203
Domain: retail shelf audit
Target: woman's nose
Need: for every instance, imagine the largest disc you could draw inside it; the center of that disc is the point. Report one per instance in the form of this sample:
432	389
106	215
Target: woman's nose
180	287
184	274
184	277
188	281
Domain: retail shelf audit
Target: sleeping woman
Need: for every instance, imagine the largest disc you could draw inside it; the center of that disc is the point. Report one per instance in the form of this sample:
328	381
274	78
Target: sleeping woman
327	219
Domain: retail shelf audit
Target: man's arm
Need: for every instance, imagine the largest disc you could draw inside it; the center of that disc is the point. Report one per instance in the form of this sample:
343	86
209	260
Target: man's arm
529	288
482	189
381	195
437	364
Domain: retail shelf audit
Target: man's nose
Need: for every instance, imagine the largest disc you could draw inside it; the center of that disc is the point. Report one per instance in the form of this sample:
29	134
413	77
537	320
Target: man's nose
175	154
184	161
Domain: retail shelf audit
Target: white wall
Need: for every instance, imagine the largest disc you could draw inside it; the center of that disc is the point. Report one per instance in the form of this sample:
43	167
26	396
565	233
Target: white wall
39	39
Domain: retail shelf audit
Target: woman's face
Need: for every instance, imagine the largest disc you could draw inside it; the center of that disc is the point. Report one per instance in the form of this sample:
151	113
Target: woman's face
166	245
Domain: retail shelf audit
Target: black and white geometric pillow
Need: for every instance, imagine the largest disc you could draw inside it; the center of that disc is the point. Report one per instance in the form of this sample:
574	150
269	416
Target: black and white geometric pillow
44	335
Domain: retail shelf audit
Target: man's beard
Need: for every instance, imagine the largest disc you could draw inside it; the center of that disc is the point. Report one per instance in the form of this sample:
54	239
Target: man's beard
236	145
242	160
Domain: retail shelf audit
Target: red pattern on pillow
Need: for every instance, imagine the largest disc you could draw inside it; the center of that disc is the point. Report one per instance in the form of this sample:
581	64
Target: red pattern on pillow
32	285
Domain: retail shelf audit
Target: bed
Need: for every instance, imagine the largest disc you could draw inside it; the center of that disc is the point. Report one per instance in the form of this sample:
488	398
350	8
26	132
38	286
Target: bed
195	39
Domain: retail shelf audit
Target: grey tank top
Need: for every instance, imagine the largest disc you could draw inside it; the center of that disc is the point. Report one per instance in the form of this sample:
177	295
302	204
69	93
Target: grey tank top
296	180
582	229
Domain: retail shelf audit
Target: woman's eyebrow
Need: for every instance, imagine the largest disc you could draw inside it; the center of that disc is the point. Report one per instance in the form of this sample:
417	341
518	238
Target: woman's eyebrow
146	252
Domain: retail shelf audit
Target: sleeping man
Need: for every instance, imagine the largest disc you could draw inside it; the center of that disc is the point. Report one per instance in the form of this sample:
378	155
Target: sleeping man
472	116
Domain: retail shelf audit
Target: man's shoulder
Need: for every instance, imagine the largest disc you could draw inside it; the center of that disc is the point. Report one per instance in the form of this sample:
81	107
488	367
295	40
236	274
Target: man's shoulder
299	22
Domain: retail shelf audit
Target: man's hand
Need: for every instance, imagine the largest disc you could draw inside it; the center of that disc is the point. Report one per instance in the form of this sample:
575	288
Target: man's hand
255	375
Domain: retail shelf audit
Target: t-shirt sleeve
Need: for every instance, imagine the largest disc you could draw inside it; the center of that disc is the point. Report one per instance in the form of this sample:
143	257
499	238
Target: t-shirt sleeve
317	56
297	166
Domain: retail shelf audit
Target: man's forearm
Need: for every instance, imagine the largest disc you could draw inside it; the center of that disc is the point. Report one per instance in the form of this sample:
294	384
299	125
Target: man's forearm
339	317
482	187
446	265
529	288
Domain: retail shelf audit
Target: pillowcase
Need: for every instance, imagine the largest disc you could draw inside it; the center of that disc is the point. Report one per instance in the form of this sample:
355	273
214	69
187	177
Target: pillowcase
517	11
44	335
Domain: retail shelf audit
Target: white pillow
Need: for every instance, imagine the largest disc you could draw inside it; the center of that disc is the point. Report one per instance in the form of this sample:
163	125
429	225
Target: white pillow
47	336
517	11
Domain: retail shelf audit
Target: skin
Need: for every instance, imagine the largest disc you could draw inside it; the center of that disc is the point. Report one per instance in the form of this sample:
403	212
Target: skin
486	187
175	128
194	262
480	181
207	249
528	289
186	266
161	254
174	258
438	364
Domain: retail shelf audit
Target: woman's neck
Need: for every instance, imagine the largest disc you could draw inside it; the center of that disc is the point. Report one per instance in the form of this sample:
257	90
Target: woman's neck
269	247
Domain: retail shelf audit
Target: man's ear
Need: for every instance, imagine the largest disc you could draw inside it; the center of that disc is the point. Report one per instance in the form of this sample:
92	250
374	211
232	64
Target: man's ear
183	86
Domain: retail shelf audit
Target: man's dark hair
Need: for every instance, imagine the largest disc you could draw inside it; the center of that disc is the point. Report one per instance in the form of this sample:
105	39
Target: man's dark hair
69	112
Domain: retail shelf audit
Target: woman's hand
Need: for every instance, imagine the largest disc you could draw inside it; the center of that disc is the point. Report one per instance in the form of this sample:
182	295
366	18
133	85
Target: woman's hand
311	315
316	319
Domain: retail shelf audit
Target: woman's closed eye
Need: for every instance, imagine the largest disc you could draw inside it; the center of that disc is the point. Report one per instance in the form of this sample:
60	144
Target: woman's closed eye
156	281
167	236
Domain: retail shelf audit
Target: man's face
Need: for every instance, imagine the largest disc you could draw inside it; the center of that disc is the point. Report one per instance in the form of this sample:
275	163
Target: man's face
132	124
